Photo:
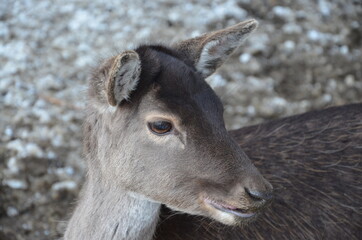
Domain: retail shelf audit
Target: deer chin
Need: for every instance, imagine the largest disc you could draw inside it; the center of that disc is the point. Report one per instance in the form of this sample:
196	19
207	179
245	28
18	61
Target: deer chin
227	213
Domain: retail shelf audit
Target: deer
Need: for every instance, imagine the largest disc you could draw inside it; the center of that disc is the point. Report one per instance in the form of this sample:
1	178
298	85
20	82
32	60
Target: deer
156	146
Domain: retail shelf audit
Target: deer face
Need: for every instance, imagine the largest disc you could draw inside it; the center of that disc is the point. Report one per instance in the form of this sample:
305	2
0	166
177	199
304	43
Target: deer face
165	137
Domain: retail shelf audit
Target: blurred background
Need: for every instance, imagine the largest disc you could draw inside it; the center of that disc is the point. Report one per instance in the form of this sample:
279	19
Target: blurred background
306	54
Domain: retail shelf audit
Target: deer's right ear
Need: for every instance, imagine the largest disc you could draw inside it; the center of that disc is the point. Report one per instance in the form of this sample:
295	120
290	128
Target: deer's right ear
123	77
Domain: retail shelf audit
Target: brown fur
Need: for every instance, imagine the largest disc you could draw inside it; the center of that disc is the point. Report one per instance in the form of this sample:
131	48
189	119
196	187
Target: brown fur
314	162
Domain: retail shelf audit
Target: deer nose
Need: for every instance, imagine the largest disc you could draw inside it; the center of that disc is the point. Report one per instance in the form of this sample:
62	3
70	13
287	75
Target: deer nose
259	195
258	189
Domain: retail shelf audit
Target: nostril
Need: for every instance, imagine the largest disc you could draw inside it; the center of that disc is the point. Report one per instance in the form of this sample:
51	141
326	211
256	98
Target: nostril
258	196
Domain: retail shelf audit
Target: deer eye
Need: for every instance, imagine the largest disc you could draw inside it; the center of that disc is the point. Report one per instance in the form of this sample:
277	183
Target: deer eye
160	127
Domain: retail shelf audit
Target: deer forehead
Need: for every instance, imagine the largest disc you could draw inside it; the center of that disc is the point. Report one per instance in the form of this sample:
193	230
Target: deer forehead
177	89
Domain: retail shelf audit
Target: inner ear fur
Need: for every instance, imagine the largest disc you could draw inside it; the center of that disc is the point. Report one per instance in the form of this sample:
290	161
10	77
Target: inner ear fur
209	51
123	77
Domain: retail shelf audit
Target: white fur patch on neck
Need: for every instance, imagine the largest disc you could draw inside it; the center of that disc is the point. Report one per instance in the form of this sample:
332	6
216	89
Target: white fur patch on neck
137	220
109	213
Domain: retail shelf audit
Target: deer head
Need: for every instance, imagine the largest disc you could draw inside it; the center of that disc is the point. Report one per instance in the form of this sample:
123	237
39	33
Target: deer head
155	128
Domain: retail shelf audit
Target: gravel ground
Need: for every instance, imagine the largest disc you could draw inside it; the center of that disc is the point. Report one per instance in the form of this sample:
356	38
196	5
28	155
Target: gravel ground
305	55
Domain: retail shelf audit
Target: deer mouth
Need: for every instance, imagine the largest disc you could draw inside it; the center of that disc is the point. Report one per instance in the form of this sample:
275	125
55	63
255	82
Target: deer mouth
227	208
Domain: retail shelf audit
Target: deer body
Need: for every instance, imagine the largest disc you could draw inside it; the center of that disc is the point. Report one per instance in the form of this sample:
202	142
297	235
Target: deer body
154	134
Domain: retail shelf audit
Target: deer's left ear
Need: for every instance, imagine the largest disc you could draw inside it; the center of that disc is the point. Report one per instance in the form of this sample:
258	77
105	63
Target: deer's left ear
209	51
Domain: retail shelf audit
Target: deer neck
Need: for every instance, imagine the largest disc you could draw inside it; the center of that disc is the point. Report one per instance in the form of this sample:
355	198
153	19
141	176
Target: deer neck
106	213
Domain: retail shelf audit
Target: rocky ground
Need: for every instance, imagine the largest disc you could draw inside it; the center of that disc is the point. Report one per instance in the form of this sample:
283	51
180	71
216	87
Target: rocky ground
305	55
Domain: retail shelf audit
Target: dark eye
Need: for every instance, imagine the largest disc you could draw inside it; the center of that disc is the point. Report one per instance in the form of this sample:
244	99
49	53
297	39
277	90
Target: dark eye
160	127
